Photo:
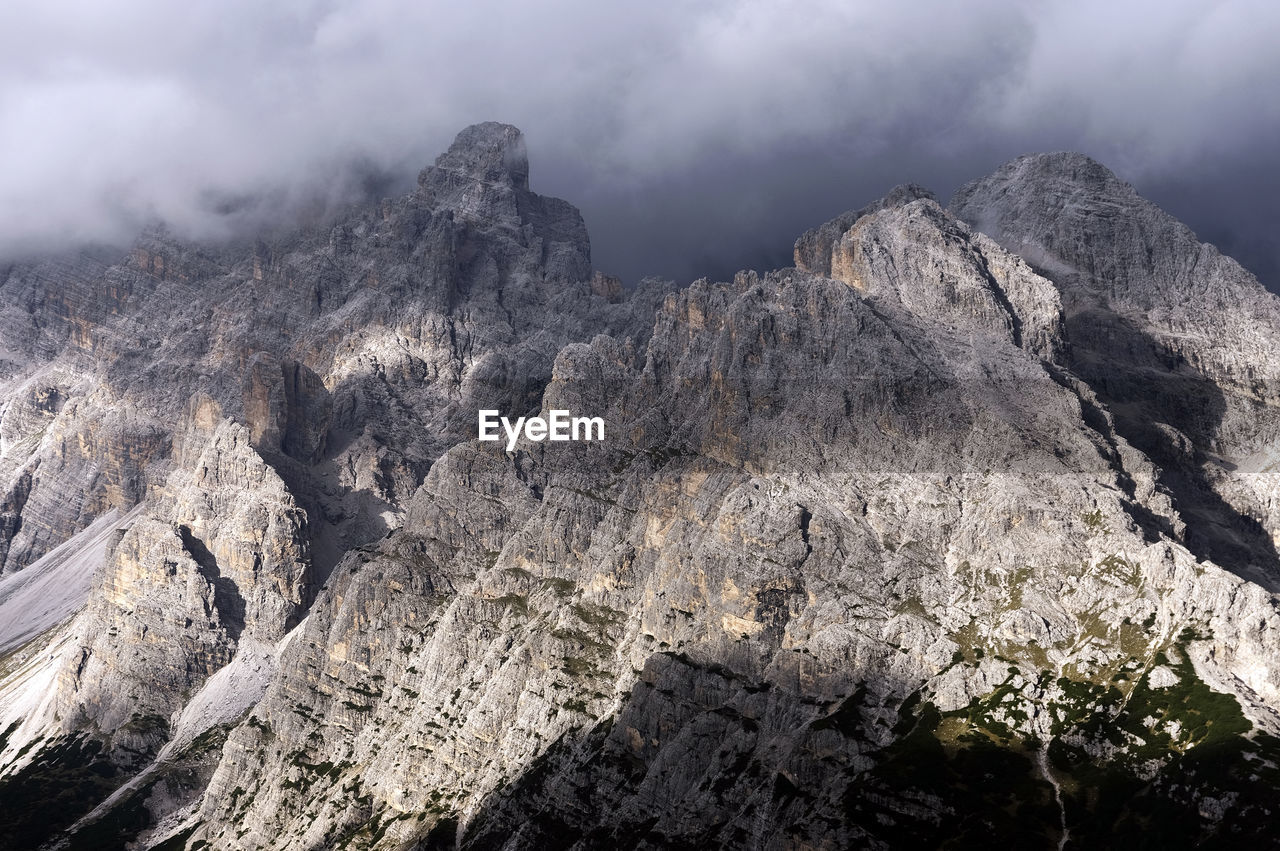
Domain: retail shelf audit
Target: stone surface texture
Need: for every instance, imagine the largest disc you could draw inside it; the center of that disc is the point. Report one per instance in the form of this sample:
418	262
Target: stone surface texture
960	530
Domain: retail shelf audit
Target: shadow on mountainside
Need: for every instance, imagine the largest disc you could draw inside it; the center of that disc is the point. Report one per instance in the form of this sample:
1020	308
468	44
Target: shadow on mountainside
226	595
746	763
736	761
1171	412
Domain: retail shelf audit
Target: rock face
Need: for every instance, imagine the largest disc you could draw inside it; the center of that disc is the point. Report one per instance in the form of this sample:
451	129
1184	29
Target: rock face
270	407
1179	342
230	563
908	251
877	552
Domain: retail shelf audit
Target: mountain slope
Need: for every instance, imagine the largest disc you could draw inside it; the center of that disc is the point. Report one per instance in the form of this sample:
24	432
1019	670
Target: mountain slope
267	408
947	534
1180	342
846	528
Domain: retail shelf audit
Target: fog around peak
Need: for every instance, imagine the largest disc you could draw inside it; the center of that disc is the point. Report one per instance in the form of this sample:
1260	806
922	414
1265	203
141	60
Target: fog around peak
696	139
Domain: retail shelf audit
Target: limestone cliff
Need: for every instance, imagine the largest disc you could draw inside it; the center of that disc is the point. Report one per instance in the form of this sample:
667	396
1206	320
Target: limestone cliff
260	410
947	534
1180	343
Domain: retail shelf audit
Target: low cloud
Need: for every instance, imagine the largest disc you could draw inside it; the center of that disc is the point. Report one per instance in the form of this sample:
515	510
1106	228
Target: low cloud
697	138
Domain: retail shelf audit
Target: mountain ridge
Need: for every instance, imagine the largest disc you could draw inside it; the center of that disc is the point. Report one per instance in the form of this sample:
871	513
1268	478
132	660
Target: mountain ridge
923	508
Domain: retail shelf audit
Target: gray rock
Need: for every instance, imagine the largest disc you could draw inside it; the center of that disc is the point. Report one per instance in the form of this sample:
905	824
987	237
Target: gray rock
877	551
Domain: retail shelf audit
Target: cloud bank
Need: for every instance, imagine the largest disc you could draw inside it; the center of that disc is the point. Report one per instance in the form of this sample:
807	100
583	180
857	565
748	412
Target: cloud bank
696	138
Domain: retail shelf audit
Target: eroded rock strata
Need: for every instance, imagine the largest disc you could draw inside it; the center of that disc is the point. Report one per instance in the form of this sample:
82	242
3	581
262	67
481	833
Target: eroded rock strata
962	529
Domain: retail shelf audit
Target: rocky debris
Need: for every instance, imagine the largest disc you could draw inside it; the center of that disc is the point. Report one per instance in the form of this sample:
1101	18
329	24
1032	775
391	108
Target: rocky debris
52	590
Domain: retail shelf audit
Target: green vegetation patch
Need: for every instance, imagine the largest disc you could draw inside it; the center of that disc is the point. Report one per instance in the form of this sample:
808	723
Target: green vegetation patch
1171	767
560	587
598	616
517	603
66	779
1138	769
1120	570
978	793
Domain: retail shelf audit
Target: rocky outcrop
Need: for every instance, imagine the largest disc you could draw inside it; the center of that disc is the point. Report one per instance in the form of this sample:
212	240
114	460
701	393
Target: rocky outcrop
814	248
1141	292
223	557
908	250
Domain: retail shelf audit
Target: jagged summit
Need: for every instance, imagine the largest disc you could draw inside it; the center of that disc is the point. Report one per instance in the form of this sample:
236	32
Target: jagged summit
1038	205
490	152
1180	342
813	248
1072	216
1065	167
903	193
905	252
483	179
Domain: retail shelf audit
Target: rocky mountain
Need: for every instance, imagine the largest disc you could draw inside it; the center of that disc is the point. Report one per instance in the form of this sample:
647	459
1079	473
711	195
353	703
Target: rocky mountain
960	531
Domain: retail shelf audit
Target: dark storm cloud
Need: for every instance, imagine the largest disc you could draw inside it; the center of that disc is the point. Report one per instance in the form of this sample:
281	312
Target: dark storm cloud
697	138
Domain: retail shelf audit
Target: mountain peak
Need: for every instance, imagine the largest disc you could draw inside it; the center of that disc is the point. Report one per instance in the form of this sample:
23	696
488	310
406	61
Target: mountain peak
490	152
1059	172
812	251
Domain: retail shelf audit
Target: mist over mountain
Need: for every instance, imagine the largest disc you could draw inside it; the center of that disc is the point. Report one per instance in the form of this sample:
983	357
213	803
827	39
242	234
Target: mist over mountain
696	140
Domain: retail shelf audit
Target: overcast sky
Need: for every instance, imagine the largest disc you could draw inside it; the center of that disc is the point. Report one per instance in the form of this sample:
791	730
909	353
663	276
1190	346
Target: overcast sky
697	138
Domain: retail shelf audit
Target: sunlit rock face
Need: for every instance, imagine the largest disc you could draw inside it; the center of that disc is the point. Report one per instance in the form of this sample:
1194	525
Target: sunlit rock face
926	539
